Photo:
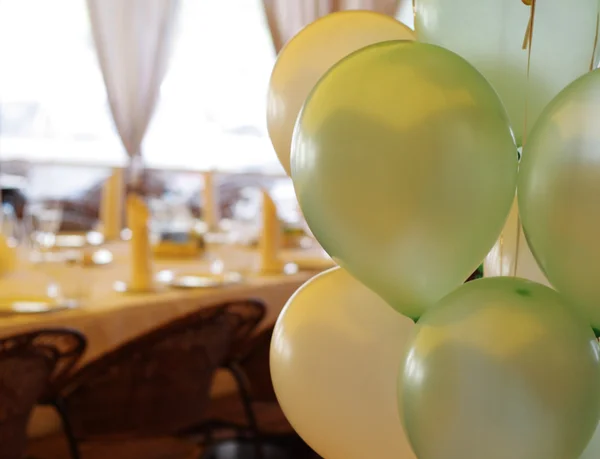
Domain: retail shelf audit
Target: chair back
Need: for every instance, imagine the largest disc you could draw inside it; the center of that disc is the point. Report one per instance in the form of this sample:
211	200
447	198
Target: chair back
255	365
29	364
158	383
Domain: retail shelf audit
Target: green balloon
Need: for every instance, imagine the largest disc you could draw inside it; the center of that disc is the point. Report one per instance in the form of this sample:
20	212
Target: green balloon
559	194
405	169
490	35
501	368
592	451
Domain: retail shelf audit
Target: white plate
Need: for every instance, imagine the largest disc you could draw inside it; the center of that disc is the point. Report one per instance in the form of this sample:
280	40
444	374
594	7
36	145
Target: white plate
69	241
33	306
206	280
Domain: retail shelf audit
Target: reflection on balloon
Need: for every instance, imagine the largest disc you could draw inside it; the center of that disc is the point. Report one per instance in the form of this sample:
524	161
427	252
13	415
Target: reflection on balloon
499	369
405	169
559	193
309	55
490	34
335	354
508	251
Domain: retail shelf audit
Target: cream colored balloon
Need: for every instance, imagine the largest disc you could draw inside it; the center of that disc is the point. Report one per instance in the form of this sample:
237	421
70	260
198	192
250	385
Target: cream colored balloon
335	357
308	56
503	256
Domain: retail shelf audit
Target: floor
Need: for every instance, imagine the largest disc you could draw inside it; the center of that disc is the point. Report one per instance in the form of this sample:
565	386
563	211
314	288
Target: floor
55	447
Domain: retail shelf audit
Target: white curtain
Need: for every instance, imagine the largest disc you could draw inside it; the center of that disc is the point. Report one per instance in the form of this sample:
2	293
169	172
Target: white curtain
133	41
287	17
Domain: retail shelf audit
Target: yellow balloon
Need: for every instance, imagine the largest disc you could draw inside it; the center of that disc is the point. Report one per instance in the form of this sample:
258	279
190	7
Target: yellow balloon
335	355
501	368
405	169
511	255
490	34
307	57
559	193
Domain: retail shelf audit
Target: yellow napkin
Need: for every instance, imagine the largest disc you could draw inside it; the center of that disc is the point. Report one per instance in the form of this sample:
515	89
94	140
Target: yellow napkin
111	206
210	210
140	250
8	255
269	242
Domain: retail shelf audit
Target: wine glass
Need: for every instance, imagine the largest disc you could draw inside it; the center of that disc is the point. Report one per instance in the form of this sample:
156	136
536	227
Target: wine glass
43	219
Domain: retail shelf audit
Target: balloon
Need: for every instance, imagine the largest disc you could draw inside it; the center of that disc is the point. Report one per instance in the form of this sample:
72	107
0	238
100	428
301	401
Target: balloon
490	34
508	251
309	55
559	193
593	448
405	169
334	362
499	369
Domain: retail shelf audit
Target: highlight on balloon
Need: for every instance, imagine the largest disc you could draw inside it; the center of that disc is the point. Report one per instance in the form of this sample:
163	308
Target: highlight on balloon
417	158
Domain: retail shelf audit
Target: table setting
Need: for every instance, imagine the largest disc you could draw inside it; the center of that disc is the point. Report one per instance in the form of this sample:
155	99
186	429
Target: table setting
160	249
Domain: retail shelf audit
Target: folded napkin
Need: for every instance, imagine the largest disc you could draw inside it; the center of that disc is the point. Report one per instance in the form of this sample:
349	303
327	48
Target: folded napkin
140	250
111	205
269	242
8	255
210	210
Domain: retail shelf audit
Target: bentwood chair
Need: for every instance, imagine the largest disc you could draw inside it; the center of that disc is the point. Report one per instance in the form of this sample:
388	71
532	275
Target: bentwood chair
254	413
30	364
154	386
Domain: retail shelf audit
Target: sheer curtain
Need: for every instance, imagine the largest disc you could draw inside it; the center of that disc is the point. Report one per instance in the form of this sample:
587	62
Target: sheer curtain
287	17
133	41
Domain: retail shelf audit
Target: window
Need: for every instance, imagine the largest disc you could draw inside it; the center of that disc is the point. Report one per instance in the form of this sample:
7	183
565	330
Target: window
213	100
211	112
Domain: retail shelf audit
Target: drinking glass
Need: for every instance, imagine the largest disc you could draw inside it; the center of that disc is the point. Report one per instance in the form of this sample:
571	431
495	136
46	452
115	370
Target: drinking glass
43	220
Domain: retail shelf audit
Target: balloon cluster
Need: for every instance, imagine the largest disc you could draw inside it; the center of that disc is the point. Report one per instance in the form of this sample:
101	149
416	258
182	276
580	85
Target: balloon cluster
404	159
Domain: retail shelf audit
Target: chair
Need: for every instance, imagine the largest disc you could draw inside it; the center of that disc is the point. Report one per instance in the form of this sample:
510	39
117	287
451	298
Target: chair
254	410
157	384
30	364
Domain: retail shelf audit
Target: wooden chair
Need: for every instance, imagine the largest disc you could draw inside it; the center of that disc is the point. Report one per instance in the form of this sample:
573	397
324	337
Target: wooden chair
30	363
157	384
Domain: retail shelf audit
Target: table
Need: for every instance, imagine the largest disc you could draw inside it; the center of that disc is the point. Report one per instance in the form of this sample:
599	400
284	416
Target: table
109	318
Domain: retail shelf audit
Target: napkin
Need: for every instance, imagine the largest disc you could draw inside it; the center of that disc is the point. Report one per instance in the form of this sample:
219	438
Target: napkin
269	242
111	205
210	211
8	255
140	249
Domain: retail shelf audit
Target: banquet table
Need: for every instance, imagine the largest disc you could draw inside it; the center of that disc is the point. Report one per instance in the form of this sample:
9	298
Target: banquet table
109	318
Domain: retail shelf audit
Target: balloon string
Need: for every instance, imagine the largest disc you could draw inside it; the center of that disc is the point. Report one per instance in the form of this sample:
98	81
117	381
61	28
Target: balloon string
414	8
592	61
527	44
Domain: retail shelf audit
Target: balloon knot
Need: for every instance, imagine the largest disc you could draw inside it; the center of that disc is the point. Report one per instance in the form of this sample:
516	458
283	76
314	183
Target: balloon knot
596	332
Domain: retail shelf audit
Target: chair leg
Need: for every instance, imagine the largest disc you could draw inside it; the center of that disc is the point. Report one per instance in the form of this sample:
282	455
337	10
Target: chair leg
66	423
243	390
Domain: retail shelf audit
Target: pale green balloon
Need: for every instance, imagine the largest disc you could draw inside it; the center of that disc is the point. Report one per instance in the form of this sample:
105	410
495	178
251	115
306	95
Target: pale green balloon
559	193
592	451
405	169
490	35
501	368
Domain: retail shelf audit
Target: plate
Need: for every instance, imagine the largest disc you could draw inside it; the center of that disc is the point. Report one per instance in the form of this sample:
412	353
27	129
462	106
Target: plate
10	306
314	263
124	287
69	241
206	280
78	241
